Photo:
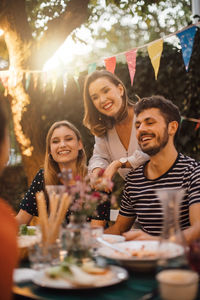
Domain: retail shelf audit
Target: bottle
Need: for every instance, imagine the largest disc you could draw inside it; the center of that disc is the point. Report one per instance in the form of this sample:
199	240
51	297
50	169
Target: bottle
172	246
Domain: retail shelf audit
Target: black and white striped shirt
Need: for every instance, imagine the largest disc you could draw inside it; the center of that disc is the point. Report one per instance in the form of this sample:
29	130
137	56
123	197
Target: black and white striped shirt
139	198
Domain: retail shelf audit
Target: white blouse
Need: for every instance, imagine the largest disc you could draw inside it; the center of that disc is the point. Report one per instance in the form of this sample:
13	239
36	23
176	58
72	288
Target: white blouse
109	148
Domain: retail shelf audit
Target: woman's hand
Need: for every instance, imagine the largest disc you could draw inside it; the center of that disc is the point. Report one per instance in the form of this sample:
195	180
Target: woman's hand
112	169
138	235
100	182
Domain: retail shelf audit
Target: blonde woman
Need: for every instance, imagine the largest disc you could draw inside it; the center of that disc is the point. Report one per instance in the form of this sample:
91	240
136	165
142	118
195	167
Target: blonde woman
64	150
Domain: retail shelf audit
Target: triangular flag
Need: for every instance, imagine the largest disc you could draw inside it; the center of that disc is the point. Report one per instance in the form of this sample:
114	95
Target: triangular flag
28	78
65	79
131	61
187	39
35	80
197	126
76	77
155	51
110	64
44	80
92	67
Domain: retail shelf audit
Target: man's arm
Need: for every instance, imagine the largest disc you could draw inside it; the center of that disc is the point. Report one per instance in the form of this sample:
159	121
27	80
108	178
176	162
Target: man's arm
193	232
121	225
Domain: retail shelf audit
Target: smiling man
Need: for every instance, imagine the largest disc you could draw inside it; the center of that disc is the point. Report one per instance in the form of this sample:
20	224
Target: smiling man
157	125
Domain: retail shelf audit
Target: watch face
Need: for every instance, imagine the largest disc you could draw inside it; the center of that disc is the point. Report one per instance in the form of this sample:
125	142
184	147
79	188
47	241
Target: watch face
123	160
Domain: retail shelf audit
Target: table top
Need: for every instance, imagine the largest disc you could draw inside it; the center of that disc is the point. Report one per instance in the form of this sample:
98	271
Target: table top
137	285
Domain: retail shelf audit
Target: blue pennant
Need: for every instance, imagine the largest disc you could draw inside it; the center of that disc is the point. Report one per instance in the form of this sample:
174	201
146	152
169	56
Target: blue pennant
187	39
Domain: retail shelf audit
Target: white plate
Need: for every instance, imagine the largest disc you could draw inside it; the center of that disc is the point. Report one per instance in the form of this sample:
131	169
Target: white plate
113	238
23	274
114	276
29	240
138	262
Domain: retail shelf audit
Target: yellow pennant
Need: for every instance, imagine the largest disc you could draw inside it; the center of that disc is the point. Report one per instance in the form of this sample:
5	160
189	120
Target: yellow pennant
155	52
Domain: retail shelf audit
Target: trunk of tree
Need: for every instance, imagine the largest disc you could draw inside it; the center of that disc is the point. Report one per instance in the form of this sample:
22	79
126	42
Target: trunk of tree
26	54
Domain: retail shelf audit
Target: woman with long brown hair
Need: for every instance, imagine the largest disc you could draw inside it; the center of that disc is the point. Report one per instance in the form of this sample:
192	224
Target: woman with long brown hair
109	115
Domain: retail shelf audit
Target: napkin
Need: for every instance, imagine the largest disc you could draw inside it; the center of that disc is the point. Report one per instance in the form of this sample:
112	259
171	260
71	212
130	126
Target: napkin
23	274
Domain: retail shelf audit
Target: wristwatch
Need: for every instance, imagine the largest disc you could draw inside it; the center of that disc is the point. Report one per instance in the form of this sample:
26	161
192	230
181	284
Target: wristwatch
123	161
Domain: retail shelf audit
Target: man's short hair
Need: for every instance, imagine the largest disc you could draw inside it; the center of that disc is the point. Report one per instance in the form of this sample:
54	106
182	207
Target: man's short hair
168	109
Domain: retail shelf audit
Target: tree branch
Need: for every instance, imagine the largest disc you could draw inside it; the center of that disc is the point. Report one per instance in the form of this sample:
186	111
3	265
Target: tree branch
76	13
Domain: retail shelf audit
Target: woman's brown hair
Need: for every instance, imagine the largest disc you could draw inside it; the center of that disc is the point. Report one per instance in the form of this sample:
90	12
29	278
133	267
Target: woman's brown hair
51	168
98	123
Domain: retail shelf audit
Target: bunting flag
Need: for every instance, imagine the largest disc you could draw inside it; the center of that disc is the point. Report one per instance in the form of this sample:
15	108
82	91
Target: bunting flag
65	80
54	77
186	35
186	38
35	80
76	76
110	64
28	78
44	80
155	51
4	79
197	126
131	61
91	68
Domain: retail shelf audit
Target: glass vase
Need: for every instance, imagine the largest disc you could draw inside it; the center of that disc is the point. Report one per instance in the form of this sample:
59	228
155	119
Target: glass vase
77	238
172	247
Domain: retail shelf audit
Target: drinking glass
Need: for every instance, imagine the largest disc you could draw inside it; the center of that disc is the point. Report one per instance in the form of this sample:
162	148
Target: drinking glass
194	255
41	256
172	248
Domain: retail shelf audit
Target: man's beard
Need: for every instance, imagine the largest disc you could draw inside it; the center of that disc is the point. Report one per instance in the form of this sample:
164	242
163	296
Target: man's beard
155	149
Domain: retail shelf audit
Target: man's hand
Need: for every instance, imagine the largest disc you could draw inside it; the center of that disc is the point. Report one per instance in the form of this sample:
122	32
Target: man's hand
138	235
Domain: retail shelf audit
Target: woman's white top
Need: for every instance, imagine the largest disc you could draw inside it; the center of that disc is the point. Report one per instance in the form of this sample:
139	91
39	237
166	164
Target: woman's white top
109	148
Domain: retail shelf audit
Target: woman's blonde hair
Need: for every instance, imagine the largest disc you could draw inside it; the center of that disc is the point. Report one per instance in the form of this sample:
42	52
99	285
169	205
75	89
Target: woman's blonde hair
51	168
96	122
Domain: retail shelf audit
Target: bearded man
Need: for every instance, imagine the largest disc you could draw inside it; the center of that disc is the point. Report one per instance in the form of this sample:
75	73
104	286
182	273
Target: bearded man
157	125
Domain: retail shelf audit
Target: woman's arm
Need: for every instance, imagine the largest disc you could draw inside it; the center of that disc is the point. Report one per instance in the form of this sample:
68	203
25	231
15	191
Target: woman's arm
101	157
134	161
23	217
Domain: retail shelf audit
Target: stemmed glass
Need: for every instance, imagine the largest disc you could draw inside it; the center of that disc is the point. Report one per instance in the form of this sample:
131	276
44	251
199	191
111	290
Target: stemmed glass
172	248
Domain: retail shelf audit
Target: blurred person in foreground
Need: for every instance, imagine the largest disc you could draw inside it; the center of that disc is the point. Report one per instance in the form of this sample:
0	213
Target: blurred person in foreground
8	225
157	125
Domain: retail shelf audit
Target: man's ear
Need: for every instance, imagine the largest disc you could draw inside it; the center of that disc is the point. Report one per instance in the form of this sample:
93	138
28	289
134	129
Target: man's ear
172	127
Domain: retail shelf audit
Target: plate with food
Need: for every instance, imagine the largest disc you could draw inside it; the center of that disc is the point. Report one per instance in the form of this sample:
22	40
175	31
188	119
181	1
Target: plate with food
86	276
137	255
113	238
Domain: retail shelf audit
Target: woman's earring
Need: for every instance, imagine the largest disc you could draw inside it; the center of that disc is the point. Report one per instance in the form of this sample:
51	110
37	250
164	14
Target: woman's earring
50	156
100	117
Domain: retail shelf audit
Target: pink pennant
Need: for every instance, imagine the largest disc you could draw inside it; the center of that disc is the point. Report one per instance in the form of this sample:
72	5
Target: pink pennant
197	126
110	64
131	61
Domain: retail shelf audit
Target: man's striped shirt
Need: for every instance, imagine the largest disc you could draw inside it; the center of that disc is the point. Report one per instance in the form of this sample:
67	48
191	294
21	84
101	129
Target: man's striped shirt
139	198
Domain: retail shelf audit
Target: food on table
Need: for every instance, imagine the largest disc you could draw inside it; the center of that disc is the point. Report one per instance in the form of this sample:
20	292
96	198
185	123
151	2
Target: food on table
86	274
27	230
137	253
28	236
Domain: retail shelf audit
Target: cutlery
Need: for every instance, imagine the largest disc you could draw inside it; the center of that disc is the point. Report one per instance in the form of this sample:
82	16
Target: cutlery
102	241
150	296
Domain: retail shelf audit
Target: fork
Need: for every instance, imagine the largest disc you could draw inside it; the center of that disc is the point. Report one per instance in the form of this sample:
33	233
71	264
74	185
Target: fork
102	241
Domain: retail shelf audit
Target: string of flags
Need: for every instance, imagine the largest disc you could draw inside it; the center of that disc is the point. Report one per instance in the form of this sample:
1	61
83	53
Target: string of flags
155	49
